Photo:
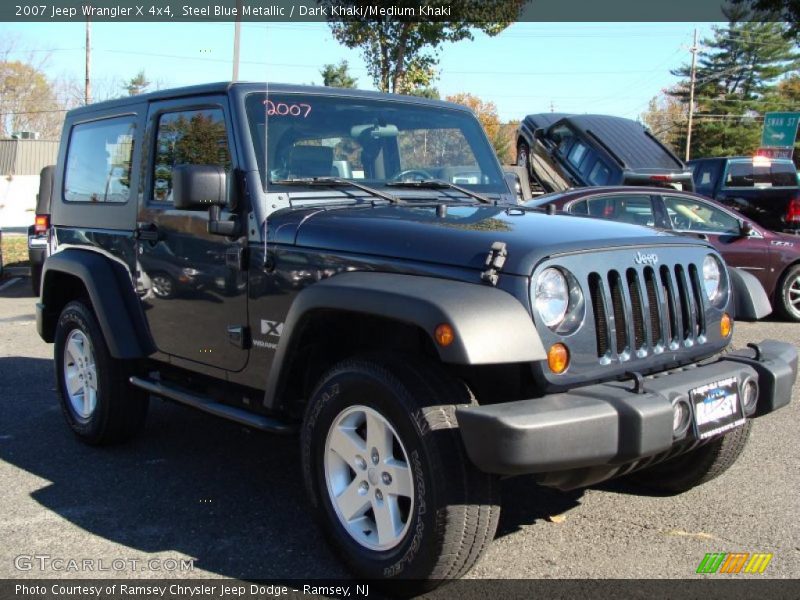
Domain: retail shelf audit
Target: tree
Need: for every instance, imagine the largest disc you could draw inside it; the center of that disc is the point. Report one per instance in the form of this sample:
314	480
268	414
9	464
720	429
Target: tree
27	101
782	10
337	76
137	84
738	70
401	55
486	112
666	119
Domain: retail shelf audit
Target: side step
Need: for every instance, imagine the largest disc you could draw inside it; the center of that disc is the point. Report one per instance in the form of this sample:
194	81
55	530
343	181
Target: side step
231	413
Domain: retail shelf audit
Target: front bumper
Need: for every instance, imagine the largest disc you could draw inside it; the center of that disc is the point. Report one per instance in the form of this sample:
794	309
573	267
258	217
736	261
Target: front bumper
610	424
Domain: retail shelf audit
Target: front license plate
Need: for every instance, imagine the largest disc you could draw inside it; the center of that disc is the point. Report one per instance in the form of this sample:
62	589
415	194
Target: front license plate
717	407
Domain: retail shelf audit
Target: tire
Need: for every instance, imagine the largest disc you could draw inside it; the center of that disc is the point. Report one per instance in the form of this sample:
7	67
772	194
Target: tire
524	158
36	279
788	290
114	411
698	466
164	286
446	509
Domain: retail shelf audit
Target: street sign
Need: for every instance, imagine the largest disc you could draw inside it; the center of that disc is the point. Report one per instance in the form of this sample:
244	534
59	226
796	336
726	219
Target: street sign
780	129
775	152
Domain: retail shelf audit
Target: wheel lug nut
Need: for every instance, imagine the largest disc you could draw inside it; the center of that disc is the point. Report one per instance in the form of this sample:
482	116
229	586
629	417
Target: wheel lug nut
363	487
387	479
361	463
378	495
375	456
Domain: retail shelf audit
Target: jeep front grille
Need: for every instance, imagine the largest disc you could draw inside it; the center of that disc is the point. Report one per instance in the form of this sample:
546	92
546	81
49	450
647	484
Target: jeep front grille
646	310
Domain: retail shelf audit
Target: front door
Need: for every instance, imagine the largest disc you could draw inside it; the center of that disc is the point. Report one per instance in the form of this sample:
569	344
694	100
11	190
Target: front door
194	295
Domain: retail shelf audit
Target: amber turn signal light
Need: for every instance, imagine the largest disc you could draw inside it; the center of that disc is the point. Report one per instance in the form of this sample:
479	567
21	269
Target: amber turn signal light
444	335
558	358
725	325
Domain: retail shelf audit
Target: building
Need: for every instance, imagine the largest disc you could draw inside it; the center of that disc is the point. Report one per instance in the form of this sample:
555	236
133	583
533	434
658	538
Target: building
21	161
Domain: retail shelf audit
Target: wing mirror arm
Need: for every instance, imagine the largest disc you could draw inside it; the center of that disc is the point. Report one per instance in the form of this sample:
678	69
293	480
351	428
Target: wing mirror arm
218	225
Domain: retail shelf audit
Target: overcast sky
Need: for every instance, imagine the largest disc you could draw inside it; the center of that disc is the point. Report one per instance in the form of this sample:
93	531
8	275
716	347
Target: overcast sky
609	68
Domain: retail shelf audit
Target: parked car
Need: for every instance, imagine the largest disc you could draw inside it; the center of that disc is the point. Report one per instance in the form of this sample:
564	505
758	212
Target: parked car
764	189
39	232
562	151
773	258
420	331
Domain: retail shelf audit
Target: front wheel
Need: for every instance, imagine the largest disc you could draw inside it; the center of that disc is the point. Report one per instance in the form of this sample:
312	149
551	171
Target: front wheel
698	466
387	474
788	292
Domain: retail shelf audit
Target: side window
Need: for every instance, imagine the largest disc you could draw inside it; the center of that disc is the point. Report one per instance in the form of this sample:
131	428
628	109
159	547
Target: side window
634	209
690	214
193	137
740	174
600	174
579	208
98	166
577	154
562	136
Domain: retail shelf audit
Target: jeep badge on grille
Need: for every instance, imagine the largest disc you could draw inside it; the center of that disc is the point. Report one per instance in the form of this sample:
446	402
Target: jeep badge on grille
645	259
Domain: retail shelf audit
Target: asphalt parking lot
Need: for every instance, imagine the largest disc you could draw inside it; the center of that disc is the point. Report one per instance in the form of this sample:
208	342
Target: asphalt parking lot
195	487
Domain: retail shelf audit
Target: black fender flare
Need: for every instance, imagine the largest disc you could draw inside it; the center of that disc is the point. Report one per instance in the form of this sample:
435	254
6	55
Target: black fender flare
491	326
114	301
750	300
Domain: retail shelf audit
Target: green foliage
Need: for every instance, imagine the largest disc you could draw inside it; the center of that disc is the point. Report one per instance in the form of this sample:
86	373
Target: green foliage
737	73
338	76
402	55
137	85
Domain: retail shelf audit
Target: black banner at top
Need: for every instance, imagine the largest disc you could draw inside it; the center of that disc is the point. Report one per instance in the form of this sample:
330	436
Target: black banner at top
481	11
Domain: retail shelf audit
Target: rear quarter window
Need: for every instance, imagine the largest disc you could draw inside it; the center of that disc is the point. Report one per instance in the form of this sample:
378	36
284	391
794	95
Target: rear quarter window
98	165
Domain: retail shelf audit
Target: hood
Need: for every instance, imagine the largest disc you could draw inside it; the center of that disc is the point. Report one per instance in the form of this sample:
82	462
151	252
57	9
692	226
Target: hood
461	238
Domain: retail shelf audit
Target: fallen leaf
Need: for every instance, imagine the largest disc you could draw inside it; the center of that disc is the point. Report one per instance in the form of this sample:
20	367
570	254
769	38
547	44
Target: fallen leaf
557	518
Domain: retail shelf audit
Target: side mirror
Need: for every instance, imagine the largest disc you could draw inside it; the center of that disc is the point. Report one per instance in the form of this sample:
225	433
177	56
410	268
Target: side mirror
745	228
198	187
514	184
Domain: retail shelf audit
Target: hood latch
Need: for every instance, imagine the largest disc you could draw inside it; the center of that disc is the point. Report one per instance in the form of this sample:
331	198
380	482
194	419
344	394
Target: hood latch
494	263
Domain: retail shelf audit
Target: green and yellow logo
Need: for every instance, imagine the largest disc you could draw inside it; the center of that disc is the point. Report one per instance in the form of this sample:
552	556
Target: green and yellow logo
734	562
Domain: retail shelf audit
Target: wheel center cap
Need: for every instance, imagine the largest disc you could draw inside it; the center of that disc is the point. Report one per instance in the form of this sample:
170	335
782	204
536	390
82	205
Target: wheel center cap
372	475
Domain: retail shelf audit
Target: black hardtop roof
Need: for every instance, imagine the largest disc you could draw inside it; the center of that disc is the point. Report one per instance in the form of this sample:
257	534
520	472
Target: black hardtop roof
223	87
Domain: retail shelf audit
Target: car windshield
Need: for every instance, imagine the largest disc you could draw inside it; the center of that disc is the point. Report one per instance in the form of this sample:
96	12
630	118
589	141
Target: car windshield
373	142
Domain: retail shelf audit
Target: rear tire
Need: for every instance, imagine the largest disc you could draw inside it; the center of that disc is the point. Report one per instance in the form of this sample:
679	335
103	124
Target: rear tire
524	158
788	294
99	404
445	512
698	466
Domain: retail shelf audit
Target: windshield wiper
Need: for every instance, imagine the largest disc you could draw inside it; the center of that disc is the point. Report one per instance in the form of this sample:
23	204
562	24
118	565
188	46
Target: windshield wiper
338	181
438	184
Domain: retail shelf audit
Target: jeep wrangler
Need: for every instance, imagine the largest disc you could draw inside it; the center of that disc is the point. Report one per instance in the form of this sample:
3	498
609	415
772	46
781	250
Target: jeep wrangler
351	266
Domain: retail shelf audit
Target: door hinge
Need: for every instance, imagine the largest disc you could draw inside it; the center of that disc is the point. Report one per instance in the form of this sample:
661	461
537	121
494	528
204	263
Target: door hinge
236	258
494	263
239	336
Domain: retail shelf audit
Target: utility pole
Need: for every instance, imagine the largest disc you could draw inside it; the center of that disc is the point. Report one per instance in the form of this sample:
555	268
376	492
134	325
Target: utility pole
87	90
693	50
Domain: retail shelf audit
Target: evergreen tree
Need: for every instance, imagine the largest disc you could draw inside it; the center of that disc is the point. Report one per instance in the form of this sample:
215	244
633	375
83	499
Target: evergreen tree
338	76
738	70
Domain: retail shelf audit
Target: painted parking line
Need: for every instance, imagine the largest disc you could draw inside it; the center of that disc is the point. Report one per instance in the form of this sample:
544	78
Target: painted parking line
9	283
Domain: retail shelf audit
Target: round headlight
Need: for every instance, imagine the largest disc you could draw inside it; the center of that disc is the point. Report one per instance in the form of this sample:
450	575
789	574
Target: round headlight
711	276
551	296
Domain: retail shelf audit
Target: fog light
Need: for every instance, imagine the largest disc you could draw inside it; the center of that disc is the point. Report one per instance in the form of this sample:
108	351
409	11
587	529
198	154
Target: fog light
725	325
749	395
444	335
558	358
681	417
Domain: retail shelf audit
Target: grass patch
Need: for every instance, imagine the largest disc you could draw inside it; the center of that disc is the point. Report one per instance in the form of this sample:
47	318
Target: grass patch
15	250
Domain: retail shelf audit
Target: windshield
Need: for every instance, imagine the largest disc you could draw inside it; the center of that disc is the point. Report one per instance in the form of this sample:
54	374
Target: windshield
374	142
